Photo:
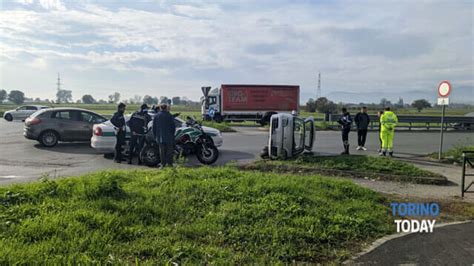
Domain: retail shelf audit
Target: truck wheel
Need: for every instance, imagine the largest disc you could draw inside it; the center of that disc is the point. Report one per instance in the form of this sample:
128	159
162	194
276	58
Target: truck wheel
8	117
266	118
218	118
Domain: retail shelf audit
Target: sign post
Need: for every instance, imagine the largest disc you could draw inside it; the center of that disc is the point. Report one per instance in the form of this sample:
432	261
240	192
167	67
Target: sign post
444	89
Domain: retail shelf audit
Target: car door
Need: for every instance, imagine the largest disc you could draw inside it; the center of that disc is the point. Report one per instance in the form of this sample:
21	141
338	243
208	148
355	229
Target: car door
309	133
64	124
85	123
19	113
29	111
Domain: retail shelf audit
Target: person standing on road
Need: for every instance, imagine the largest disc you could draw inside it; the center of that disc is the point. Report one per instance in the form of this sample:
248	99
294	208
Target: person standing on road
388	121
362	121
379	114
163	130
346	122
118	121
138	125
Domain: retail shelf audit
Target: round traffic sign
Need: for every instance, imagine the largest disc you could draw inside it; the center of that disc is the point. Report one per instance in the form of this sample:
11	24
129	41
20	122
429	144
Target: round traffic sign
444	88
212	112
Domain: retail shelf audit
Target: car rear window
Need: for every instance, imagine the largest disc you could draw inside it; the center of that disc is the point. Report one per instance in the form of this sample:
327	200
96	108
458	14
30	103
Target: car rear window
62	115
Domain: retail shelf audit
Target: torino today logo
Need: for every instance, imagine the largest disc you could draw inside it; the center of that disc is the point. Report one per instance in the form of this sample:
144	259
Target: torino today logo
411	210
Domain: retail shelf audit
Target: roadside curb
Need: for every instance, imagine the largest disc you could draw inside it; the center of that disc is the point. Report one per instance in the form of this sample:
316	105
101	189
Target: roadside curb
377	243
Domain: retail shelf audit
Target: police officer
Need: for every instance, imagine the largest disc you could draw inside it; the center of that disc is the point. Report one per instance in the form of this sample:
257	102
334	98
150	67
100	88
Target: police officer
346	122
163	130
362	121
388	121
118	121
138	125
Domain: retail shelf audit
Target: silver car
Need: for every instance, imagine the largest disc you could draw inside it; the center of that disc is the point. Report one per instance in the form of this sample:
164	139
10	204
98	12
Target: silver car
51	125
22	112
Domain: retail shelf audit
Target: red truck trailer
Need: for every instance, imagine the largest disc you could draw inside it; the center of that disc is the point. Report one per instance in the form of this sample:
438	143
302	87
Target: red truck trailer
237	102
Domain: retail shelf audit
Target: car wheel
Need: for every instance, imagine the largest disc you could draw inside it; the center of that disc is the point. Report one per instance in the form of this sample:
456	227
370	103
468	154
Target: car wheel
49	138
8	117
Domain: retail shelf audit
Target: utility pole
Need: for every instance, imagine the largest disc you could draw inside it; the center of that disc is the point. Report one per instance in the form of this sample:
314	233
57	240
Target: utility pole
318	92
59	83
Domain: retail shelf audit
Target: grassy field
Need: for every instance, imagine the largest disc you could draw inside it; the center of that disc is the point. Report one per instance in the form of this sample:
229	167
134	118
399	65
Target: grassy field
188	216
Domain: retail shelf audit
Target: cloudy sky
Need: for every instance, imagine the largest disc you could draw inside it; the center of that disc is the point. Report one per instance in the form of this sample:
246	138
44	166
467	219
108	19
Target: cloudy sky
173	48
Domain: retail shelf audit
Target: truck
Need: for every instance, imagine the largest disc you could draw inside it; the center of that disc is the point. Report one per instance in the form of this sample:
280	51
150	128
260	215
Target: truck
244	102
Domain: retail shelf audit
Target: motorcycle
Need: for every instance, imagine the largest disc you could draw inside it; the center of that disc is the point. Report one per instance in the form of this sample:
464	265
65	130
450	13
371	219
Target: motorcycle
188	140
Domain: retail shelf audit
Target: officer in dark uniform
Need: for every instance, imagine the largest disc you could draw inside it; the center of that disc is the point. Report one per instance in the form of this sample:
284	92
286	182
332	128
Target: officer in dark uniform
118	121
138	125
346	123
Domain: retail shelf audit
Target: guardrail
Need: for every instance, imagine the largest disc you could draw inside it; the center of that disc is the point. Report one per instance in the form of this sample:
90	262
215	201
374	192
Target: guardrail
414	121
468	159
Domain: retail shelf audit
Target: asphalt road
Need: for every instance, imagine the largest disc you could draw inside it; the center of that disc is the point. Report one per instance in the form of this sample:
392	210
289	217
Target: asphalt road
24	160
447	245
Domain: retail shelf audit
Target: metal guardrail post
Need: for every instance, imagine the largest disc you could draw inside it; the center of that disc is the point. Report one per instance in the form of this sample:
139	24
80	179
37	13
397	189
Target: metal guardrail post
465	162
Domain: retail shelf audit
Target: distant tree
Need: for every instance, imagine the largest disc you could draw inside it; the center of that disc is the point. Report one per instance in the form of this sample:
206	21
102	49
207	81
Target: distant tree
150	100
421	104
63	96
163	99
176	100
79	101
311	105
137	99
385	103
102	101
37	100
400	103
17	97
323	105
114	98
3	95
88	99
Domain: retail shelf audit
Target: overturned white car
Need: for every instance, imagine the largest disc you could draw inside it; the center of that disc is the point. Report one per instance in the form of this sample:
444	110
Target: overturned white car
289	136
103	135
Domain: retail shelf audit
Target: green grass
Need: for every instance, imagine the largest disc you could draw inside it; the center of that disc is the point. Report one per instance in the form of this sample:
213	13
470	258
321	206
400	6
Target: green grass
223	127
188	216
360	163
454	154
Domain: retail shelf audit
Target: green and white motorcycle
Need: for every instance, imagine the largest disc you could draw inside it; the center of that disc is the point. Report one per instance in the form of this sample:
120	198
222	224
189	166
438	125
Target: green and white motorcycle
189	140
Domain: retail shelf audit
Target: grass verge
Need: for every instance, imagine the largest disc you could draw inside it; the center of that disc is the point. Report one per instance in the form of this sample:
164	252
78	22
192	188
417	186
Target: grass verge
222	127
453	155
353	166
206	215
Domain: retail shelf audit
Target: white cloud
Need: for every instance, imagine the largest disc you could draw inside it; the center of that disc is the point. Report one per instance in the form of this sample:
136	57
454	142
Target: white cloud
357	46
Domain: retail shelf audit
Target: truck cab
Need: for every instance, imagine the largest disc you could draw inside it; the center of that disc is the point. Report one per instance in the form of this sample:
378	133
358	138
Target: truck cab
289	136
210	106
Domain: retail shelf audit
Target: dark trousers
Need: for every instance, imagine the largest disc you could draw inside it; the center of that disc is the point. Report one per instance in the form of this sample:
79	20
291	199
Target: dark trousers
120	137
361	137
166	154
136	145
345	139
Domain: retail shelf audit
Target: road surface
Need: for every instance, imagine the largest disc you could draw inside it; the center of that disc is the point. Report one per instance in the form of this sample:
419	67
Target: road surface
24	160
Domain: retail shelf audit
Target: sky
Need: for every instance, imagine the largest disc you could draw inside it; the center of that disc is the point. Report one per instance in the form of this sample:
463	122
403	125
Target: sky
172	48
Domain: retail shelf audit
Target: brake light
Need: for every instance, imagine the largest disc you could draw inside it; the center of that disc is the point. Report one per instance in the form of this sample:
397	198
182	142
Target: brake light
32	121
98	131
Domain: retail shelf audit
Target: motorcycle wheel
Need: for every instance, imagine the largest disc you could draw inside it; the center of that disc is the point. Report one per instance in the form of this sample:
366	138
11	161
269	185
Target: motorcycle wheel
207	153
150	156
